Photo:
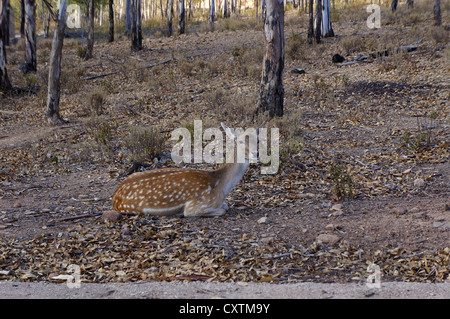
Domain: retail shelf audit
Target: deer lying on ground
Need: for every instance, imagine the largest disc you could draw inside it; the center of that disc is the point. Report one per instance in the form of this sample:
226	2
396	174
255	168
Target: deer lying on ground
192	192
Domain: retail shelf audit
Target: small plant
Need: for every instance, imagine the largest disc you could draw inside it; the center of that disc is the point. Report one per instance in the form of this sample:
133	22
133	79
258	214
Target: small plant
439	34
108	85
31	80
290	128
424	138
81	52
101	128
345	79
144	144
352	44
215	99
186	67
103	133
292	146
295	47
343	184
237	51
322	88
95	102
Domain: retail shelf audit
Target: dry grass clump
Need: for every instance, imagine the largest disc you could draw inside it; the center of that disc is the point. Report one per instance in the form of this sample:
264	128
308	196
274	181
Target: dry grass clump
144	143
95	102
231	107
352	44
197	67
439	34
249	61
295	48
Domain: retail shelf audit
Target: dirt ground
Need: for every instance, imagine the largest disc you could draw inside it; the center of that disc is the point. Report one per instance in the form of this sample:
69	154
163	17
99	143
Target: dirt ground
384	123
220	293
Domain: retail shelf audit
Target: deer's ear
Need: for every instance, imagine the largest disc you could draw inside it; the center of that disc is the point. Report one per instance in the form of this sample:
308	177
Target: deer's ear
228	131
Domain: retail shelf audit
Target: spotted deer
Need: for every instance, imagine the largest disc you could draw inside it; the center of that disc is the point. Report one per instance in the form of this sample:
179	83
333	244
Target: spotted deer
191	192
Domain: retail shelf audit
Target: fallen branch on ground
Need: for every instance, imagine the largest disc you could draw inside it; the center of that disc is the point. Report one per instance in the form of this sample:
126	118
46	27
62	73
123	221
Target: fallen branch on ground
94	214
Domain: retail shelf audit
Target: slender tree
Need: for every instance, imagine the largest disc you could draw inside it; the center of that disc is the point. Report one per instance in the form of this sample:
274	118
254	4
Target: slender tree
90	36
128	17
226	12
30	36
54	73
170	19
134	39
263	10
45	20
271	89
181	17
191	10
437	12
111	21
136	28
318	20
311	22
327	30
22	18
139	23
394	5
5	85
212	13
6	24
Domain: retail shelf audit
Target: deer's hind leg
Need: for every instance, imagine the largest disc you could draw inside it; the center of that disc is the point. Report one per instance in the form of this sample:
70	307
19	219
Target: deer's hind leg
199	210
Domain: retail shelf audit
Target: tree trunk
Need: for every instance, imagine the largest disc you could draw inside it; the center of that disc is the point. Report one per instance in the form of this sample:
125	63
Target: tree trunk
54	73
90	36
271	89
226	12
6	24
437	12
139	23
30	36
134	38
22	18
311	22
111	21
212	12
181	17
136	25
327	30
5	85
263	10
394	5
128	17
170	19
318	20
45	20
191	10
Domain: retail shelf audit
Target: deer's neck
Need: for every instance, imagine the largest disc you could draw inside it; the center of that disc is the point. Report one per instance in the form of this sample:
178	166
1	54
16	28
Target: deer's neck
228	177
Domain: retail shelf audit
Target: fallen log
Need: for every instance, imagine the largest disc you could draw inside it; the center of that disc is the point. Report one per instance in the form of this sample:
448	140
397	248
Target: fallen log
375	55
